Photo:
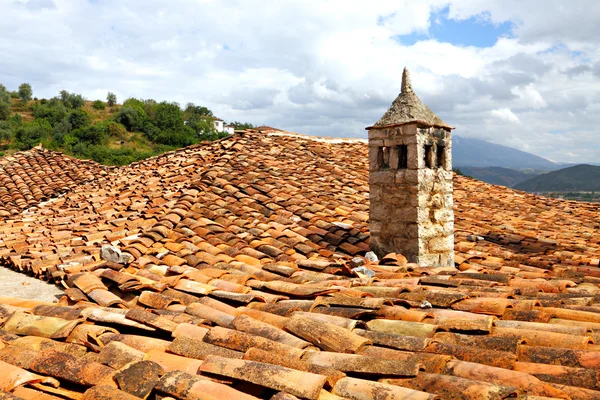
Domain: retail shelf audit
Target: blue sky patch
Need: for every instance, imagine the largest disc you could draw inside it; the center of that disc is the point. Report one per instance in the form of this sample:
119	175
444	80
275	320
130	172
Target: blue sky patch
476	31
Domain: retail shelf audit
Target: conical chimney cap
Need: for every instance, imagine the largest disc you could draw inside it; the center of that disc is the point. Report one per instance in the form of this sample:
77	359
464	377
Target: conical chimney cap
408	108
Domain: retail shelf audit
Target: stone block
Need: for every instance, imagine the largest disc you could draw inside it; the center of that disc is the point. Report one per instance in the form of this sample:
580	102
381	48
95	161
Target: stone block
428	260
447	259
441	244
377	134
407	176
382	177
443	215
373	162
409	129
415	158
376	142
381	212
407	214
394	157
394	141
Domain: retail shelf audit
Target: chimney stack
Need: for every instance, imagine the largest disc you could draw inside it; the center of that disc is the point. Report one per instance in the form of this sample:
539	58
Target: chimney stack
410	181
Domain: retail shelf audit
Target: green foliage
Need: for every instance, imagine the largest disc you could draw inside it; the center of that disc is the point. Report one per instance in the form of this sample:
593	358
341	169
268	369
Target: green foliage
78	118
4	111
199	111
142	128
64	96
61	130
132	118
6	132
150	107
98	105
457	171
14	95
25	92
169	117
179	138
203	127
94	134
71	100
76	101
15	120
111	99
133	103
242	125
116	130
4	94
32	133
52	112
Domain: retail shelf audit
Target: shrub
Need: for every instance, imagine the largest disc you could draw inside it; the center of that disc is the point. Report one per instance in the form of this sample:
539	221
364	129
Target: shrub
61	130
134	103
111	99
179	138
6	131
78	118
25	92
16	120
71	100
4	111
169	116
98	105
32	133
94	134
116	130
76	100
132	118
54	113
4	94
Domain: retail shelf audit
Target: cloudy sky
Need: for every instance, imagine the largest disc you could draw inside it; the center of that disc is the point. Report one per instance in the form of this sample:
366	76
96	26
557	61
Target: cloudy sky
520	73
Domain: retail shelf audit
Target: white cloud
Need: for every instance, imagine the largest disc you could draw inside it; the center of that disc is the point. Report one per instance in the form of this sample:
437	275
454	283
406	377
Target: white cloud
504	114
323	68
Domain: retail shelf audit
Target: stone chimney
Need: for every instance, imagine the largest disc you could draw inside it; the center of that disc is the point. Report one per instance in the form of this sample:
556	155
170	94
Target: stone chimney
410	180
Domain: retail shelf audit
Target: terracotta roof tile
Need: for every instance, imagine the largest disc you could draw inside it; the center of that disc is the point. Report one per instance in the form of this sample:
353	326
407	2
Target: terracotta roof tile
244	248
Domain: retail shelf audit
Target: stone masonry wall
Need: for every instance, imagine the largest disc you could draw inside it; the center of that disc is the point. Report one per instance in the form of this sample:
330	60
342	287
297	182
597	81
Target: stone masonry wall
411	199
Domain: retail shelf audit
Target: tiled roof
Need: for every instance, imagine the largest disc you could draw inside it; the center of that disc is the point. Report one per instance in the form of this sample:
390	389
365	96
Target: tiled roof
30	177
244	284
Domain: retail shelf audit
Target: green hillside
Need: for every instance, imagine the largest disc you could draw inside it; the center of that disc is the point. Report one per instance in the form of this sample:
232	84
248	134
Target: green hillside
107	132
580	178
498	175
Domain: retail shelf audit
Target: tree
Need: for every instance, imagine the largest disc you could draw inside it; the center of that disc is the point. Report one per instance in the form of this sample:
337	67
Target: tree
76	100
32	133
25	92
169	116
64	96
6	131
203	127
242	125
54	112
132	118
111	99
199	111
4	94
4	110
98	105
94	134
78	119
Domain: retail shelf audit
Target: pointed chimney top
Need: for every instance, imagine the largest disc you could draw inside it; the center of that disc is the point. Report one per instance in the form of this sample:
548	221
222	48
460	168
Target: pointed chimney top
406	85
408	108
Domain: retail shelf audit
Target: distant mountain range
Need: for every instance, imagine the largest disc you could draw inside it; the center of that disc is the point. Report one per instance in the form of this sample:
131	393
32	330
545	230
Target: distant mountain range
502	165
479	153
497	175
580	178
